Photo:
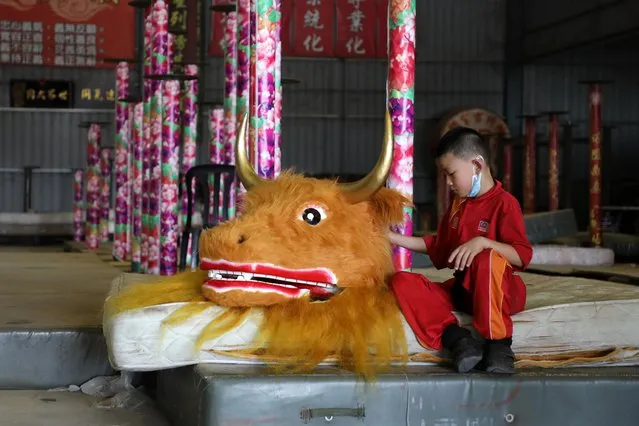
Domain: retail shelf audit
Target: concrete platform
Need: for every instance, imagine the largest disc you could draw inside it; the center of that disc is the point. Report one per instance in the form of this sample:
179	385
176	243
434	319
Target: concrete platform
215	395
50	317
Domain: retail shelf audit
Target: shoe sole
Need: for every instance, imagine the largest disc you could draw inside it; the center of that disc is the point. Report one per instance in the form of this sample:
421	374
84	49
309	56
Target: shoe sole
500	370
469	363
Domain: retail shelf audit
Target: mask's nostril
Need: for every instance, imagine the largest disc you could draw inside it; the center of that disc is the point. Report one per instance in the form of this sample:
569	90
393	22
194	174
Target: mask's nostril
241	239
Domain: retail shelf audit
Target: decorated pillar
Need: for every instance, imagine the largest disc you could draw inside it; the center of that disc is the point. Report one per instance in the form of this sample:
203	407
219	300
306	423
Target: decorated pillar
92	233
137	134
243	67
265	28
596	234
105	193
217	150
159	68
553	159
190	123
530	165
401	97
121	243
146	146
78	205
507	164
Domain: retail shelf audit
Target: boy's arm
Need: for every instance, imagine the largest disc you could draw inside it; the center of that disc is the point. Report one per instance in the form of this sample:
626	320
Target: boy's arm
513	242
407	241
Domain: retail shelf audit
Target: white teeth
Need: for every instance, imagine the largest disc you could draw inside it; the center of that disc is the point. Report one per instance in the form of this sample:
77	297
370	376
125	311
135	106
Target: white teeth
247	276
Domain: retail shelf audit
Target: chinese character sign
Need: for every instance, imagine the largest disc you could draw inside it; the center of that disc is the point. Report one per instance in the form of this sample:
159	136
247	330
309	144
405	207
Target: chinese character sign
313	28
325	28
356	22
77	34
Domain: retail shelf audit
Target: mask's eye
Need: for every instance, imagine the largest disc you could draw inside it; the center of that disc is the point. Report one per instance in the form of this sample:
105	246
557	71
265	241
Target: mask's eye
313	215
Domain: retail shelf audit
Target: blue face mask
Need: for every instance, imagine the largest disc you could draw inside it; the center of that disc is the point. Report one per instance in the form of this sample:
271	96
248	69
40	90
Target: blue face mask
475	186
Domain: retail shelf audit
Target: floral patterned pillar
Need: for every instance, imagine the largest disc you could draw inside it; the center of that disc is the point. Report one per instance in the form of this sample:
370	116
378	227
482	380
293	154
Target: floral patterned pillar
78	205
401	95
243	66
121	244
92	237
105	193
265	72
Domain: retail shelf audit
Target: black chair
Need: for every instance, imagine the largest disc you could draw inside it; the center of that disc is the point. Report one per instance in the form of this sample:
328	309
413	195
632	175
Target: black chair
220	173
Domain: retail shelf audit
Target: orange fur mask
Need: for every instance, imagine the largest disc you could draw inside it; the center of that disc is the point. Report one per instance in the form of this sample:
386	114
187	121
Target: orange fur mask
313	256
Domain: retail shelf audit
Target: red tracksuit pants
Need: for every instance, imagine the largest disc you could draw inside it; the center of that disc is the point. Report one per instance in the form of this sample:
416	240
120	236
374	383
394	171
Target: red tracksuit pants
488	290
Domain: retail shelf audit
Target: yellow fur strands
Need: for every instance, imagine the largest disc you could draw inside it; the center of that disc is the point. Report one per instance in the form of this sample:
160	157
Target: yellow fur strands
184	287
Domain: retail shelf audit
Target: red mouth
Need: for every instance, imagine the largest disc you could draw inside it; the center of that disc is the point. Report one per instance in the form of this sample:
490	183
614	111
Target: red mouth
317	283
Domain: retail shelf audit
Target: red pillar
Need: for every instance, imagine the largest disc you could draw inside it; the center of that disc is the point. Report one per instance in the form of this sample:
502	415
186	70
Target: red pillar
530	164
596	235
553	159
508	166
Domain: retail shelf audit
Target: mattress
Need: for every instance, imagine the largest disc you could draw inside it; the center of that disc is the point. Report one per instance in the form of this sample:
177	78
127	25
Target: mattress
567	322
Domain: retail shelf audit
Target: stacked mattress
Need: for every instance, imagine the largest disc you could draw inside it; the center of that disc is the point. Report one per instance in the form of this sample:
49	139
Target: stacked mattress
568	322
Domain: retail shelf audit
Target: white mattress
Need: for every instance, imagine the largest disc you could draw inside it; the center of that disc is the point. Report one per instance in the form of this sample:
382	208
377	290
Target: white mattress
137	341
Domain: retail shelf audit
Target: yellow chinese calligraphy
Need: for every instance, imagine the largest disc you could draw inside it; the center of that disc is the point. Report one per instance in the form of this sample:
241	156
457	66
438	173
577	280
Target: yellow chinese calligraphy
31	94
63	95
178	19
97	94
41	95
85	94
110	95
51	94
178	4
595	154
595	189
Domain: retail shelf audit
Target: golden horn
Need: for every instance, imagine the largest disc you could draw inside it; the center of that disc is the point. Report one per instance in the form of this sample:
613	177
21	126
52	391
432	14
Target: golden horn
243	166
363	189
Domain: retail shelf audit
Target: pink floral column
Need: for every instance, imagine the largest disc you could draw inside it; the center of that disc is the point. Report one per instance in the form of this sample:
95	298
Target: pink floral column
190	118
264	111
105	193
159	66
216	149
121	243
401	96
137	134
93	187
78	205
169	207
230	105
146	145
243	65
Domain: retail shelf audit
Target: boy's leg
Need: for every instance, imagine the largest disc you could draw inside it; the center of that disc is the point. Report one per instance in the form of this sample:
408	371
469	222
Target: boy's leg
497	294
427	307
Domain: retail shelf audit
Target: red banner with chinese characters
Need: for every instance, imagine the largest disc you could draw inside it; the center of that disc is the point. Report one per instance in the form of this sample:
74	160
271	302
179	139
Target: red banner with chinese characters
217	33
79	33
287	17
356	28
382	28
313	28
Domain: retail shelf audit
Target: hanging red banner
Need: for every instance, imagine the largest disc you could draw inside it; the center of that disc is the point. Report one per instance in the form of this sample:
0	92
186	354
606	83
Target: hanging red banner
313	28
217	34
382	28
60	33
356	22
287	15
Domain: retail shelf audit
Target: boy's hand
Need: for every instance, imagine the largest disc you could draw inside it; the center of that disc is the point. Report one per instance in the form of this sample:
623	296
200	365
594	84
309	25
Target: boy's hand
463	255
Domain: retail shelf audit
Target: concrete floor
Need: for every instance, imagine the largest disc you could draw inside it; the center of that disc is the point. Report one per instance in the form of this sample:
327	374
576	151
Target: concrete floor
30	408
47	288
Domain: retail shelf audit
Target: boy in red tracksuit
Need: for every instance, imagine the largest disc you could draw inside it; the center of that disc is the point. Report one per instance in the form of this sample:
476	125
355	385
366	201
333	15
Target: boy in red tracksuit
483	238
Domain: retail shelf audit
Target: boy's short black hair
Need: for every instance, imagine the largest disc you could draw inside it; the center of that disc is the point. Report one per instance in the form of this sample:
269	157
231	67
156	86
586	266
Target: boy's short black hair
464	143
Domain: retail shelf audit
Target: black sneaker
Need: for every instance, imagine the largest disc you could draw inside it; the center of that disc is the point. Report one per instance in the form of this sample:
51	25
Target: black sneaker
499	358
466	350
467	353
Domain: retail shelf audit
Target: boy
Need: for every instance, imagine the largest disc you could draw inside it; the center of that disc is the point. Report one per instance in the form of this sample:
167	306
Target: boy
482	237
